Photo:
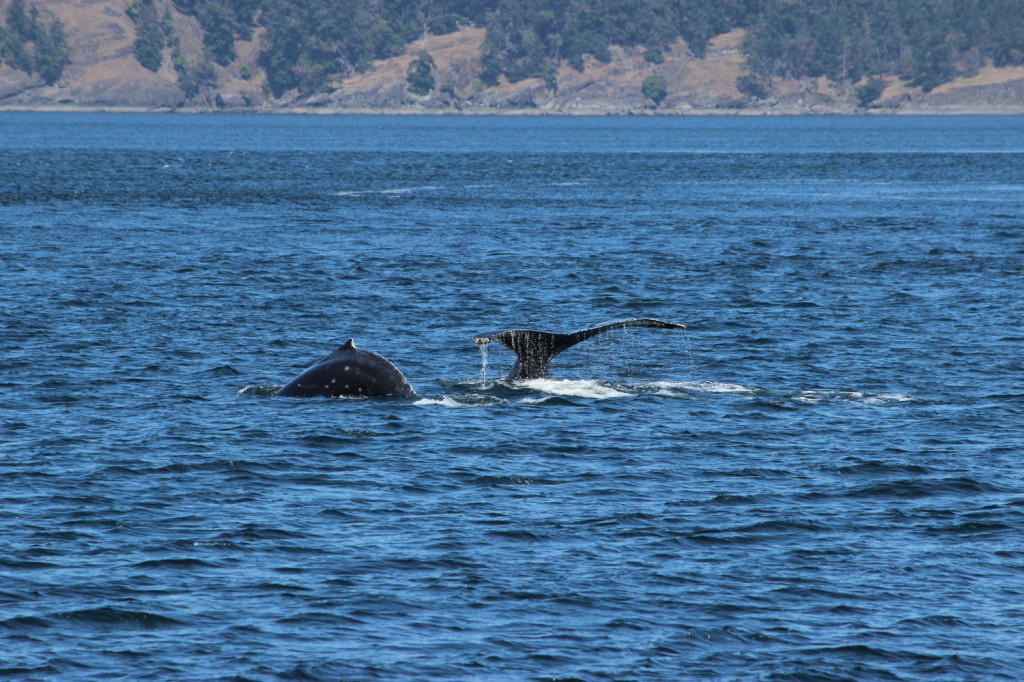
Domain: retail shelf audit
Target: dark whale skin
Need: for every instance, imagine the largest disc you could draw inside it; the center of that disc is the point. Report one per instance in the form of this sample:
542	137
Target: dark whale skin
349	372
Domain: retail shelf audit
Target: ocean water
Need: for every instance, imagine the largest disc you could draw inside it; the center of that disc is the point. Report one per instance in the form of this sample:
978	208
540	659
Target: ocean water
821	479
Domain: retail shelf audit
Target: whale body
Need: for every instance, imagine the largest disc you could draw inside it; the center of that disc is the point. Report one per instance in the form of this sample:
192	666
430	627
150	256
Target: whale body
349	372
535	349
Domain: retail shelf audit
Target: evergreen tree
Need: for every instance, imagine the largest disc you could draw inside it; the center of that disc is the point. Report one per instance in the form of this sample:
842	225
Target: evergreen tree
29	45
149	34
18	21
654	89
870	91
16	36
307	44
219	35
51	52
419	76
15	52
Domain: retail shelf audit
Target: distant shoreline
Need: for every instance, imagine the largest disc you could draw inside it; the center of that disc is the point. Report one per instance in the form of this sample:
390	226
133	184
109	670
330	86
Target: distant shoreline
112	80
593	112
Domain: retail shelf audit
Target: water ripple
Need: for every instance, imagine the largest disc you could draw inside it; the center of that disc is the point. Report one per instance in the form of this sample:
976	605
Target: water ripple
820	480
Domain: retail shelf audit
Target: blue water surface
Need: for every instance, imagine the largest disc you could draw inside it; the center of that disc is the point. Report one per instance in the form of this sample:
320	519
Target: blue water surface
820	479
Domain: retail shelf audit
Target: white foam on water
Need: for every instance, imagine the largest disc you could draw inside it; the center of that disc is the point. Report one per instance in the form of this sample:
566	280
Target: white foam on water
446	401
852	396
887	398
462	400
807	396
394	191
575	388
407	190
707	386
259	390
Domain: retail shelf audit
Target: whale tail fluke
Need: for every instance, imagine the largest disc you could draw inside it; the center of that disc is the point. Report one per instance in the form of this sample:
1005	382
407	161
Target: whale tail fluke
535	349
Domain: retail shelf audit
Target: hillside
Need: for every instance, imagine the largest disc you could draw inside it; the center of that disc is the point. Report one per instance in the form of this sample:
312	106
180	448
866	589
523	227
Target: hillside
105	72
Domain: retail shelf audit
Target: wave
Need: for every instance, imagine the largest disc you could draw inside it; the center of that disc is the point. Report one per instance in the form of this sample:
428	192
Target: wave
456	401
482	393
799	395
389	192
120	619
854	396
258	390
705	387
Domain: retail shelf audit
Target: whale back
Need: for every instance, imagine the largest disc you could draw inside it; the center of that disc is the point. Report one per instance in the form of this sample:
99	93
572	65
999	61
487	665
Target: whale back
349	372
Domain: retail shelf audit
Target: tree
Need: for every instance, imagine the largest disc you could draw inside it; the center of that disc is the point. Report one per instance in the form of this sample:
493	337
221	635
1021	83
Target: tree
306	44
870	91
654	55
149	34
193	77
752	86
419	76
14	51
653	88
18	20
933	64
51	52
219	37
18	33
48	54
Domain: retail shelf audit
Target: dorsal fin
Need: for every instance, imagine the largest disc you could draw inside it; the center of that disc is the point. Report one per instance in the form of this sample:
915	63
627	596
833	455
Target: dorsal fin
342	351
534	349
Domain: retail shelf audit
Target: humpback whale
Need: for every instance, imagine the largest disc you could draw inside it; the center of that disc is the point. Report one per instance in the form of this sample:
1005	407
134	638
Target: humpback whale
535	349
349	372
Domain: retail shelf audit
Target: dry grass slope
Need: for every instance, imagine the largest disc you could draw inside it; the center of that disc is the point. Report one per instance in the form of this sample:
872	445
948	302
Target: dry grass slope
104	74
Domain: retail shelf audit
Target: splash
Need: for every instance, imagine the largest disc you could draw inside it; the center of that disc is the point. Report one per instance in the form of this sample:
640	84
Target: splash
462	400
446	401
705	387
258	390
689	354
483	361
575	388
